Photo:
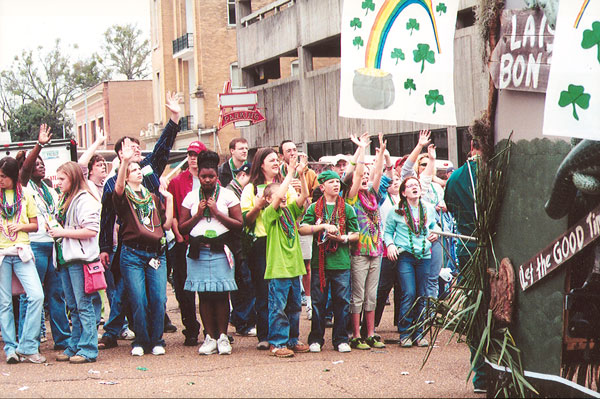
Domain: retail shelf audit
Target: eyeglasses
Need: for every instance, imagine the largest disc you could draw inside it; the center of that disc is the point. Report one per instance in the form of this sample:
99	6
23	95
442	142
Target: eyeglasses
412	185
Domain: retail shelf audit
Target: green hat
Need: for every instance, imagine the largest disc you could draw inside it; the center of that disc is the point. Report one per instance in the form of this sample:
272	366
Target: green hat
327	175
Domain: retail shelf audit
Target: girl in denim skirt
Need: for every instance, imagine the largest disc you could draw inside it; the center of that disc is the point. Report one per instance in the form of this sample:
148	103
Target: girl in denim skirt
208	214
143	264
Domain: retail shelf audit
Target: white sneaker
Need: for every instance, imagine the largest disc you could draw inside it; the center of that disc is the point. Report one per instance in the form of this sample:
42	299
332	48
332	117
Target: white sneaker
308	312
137	351
208	347
223	345
251	332
158	350
314	347
127	334
344	347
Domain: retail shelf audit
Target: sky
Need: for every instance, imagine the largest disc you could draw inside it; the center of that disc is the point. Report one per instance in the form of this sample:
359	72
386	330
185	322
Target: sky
27	24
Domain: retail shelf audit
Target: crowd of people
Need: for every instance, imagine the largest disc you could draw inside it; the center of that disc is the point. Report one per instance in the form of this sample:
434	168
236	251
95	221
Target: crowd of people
256	241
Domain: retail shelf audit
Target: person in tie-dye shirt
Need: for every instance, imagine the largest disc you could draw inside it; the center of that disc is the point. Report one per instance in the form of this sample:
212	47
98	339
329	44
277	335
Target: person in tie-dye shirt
364	196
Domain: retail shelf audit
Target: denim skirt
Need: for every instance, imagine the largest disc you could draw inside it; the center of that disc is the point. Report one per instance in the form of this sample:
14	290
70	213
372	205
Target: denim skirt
210	273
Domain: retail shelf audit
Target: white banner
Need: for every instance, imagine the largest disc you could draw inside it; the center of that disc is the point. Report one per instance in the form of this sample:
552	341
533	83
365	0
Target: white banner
398	60
572	106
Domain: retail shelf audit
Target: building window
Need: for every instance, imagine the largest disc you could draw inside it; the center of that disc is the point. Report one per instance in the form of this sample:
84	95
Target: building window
235	75
101	124
230	12
295	68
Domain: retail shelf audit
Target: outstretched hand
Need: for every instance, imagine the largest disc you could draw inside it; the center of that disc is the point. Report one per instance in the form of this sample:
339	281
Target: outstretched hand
100	137
44	136
424	138
291	167
362	141
127	150
431	152
173	101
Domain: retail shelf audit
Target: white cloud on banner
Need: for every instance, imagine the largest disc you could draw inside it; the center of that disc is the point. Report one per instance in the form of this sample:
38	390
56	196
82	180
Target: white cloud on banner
572	106
398	60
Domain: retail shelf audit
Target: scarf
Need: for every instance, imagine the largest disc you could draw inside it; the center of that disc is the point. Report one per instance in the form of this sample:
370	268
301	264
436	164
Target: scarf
338	218
236	187
287	222
144	205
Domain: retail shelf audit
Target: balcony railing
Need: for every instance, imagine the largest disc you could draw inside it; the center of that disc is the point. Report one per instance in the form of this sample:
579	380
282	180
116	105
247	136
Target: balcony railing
186	122
271	8
183	43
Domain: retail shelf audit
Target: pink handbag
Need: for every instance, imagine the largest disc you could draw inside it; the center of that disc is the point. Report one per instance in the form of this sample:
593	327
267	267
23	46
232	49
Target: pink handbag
93	277
17	288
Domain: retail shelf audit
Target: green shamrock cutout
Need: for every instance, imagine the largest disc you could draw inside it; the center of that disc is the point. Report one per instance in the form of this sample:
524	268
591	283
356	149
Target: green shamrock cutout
358	42
441	8
409	85
422	54
398	54
575	95
368	5
434	97
356	23
591	37
411	25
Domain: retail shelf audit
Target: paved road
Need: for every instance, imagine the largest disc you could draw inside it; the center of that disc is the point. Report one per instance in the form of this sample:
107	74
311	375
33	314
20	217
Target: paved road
247	372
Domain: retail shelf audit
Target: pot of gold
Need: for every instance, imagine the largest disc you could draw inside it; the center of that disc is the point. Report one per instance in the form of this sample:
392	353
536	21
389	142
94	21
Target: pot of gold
373	88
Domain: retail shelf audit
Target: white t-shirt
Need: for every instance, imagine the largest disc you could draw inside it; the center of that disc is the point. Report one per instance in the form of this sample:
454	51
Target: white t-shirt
41	235
226	200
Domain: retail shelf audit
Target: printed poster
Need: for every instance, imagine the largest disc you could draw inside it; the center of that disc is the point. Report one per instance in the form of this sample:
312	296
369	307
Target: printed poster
398	60
572	105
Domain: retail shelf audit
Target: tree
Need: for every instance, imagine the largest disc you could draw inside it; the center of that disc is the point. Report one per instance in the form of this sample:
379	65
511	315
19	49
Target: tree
127	51
42	78
25	122
89	72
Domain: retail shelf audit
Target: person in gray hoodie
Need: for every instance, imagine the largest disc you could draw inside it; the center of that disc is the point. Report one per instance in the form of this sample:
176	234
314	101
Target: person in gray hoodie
79	217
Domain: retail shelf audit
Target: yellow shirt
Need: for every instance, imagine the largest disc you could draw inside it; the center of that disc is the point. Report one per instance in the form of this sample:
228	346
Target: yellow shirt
28	211
247	203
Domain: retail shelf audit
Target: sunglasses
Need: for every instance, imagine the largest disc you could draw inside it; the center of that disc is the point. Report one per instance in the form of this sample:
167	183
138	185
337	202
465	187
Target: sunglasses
423	164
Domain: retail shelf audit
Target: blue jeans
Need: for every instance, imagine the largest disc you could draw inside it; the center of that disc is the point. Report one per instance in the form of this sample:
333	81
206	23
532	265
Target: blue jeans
147	293
84	336
27	274
117	298
435	266
53	292
185	299
257	261
284	311
338	281
413	274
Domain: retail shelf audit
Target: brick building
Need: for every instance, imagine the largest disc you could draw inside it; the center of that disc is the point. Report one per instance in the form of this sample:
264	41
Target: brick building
120	108
193	52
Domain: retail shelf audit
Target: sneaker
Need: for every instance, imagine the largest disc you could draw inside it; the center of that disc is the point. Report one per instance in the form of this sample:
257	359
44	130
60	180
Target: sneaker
107	343
43	339
300	348
158	350
281	352
406	342
422	342
62	357
359	343
251	332
170	328
36	358
303	300
80	360
127	334
375	342
263	346
314	347
13	358
344	348
480	390
137	351
208	347
223	345
308	313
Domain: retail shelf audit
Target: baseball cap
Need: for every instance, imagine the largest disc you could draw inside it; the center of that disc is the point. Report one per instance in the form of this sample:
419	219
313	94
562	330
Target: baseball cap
196	146
338	158
244	168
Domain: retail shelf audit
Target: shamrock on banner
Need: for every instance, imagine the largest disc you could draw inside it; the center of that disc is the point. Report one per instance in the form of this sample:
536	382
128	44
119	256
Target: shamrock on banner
398	60
572	105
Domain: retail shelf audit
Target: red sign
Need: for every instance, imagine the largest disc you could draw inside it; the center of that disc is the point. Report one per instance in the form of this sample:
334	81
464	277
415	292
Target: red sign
238	107
237	116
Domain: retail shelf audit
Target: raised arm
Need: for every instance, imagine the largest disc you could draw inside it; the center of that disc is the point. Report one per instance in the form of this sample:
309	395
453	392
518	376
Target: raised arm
378	167
44	137
407	168
126	155
301	170
430	168
168	206
362	144
283	188
87	155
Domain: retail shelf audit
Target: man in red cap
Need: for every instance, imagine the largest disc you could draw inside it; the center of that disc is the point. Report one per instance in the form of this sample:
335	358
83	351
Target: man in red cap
180	186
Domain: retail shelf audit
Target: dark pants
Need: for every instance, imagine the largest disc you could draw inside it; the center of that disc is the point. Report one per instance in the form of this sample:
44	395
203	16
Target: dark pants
338	281
243	315
388	278
257	262
185	299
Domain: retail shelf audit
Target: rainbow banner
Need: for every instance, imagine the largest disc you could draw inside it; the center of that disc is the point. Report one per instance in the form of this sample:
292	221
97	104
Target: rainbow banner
398	60
572	106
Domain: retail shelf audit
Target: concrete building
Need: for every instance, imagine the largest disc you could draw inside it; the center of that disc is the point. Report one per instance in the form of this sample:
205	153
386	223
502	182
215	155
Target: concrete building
120	108
193	52
303	106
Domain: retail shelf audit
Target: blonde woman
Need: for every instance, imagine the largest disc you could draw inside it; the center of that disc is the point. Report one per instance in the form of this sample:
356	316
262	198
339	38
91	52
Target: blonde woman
79	218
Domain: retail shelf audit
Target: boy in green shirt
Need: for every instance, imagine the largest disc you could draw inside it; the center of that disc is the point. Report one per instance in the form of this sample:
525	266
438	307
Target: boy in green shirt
336	226
284	263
